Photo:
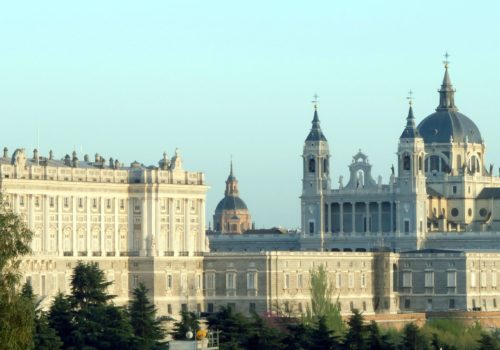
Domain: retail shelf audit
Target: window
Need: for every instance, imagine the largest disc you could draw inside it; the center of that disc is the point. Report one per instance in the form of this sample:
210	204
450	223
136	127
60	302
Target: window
198	281
169	281
407	303
311	226
429	304
338	280
251	280
406	162
299	307
429	279
251	307
494	303
230	280
451	279
351	280
299	281
454	189
80	202
51	202
122	204
135	281
451	304
21	201
184	283
210	307
198	308
169	309
94	203
483	279
286	282
407	226
37	201
363	280
454	212
210	280
184	307
407	279
231	306
364	305
108	203
312	165
351	305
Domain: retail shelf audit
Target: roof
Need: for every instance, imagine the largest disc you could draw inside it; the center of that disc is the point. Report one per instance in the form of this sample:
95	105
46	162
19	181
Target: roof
489	192
231	203
316	134
274	230
431	250
441	126
432	192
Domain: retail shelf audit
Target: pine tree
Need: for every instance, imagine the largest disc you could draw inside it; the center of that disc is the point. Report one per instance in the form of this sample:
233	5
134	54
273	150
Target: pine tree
147	328
323	338
89	286
355	338
61	319
189	323
263	336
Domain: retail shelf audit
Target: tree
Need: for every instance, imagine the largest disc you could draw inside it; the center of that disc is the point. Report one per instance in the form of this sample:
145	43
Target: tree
487	342
147	328
413	339
355	338
89	286
16	312
189	323
233	327
322	337
61	319
263	336
298	337
374	339
322	305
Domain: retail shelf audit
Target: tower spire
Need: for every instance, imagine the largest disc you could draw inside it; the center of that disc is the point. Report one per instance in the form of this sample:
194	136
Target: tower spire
410	130
447	92
316	134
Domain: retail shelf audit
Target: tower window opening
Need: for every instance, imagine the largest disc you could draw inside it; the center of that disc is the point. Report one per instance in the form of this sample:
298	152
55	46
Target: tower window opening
312	165
420	163
311	227
406	162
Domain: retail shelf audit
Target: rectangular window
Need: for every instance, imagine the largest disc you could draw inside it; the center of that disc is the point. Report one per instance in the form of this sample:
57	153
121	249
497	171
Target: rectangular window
407	226
108	203
251	283
351	280
66	202
198	308
170	281
198	282
122	204
135	281
51	202
407	303
429	279
80	202
407	279
210	280
451	279
184	307
230	280
451	304
299	307
299	281
37	201
473	279
251	307
94	203
311	227
286	281
483	279
21	201
210	307
338	280
169	309
184	283
363	280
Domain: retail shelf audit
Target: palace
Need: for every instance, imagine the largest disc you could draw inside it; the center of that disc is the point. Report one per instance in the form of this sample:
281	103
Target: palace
428	240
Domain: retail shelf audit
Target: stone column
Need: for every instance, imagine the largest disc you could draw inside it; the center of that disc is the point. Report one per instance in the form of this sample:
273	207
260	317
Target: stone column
171	223
116	232
329	213
353	211
368	218
74	237
341	221
46	217
156	221
187	226
380	217
60	238
102	228
89	226
396	212
144	227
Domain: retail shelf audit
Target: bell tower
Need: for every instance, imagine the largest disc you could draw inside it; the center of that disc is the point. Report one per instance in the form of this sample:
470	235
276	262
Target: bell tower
315	179
411	200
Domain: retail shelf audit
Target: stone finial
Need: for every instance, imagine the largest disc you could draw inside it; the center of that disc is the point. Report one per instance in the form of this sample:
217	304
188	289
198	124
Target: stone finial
117	164
111	163
35	154
97	158
5	152
86	158
74	154
67	160
51	155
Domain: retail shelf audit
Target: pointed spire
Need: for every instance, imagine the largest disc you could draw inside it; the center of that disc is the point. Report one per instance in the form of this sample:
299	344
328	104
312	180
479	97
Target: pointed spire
231	167
410	131
316	134
231	182
447	92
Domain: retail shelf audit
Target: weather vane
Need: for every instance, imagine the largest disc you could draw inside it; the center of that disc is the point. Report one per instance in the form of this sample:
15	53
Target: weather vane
410	97
315	101
446	61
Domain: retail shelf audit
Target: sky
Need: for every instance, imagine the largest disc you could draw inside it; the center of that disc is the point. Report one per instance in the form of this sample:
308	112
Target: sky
132	79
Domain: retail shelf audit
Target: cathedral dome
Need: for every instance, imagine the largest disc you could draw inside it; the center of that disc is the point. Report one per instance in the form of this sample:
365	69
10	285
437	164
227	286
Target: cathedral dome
447	123
231	203
441	126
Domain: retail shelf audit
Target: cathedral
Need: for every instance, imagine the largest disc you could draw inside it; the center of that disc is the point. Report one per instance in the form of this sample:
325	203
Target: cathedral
426	241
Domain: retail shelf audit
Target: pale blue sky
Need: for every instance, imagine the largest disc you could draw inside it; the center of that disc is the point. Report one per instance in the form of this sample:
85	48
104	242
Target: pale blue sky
130	79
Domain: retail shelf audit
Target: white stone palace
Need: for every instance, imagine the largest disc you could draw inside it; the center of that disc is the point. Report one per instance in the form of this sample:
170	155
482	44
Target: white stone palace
428	240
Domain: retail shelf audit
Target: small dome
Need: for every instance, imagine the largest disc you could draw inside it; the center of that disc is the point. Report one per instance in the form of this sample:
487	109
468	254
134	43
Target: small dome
231	203
440	126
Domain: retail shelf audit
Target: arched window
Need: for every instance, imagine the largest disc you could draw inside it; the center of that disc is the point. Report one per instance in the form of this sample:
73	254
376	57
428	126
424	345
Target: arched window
406	162
420	163
474	166
325	166
312	165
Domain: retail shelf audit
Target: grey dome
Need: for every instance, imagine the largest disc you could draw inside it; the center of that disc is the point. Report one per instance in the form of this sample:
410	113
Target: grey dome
230	203
440	126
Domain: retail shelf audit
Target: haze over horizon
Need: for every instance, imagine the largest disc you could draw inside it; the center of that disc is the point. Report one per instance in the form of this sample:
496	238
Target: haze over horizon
132	80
